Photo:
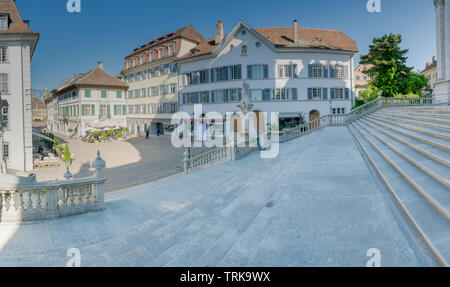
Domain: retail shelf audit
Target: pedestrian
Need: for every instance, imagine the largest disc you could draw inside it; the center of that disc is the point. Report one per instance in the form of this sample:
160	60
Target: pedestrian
158	131
147	134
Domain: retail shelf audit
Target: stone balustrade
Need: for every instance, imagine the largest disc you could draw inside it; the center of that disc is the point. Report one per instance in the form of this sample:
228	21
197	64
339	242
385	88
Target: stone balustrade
235	153
53	199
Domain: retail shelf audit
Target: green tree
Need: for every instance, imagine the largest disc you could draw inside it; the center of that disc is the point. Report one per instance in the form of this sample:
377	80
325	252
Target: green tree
389	71
415	83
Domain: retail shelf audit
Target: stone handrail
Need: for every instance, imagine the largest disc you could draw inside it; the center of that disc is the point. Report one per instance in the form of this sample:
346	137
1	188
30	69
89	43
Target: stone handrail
236	153
53	199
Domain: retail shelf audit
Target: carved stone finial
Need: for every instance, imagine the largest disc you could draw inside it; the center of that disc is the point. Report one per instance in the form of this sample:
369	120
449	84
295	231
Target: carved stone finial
99	164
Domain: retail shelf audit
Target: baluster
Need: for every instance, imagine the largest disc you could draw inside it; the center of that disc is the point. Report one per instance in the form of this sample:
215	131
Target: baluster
38	199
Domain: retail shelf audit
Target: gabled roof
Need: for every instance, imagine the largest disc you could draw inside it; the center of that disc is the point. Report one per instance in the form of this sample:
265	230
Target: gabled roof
94	78
187	32
16	25
282	37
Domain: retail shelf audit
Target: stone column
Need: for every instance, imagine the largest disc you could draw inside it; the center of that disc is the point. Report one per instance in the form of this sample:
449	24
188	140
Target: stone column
446	44
440	37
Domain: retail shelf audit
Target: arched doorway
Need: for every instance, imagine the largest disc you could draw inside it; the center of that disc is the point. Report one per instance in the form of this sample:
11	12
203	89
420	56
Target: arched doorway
260	122
236	123
314	115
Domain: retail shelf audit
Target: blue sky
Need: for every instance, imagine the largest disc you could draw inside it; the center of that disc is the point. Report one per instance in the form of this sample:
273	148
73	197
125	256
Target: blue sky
108	30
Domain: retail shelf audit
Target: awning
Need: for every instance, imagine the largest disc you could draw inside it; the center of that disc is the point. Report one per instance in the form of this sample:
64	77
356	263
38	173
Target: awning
39	135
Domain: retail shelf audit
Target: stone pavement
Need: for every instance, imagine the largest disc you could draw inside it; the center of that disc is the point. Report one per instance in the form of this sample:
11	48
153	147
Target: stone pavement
317	204
128	163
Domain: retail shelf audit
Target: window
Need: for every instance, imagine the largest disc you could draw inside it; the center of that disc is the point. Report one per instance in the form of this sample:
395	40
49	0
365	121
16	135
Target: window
88	110
3	23
236	73
173	89
339	71
256	95
171	49
316	93
339	94
6	150
5	114
365	78
4	86
152	55
118	110
135	62
119	94
104	94
161	52
204	97
103	111
358	78
338	111
317	71
281	94
221	74
286	70
203	77
244	50
233	95
142	59
3	54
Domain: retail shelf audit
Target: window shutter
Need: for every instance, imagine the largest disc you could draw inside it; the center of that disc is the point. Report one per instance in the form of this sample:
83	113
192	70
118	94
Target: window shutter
108	111
347	93
239	72
332	73
294	94
115	110
333	93
227	71
213	78
325	71
266	95
184	102
93	110
197	97
266	71
103	94
325	93
83	110
208	95
124	109
346	70
207	76
295	70
196	78
310	93
239	94
213	96
184	79
225	95
310	71
249	72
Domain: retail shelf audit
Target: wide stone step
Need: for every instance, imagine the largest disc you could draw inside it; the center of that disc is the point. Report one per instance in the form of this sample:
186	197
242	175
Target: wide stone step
429	222
426	143
418	114
430	152
424	112
422	163
433	125
427	133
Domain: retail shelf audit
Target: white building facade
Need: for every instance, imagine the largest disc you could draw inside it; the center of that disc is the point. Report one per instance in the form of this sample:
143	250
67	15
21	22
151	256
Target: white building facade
441	92
301	75
17	45
95	100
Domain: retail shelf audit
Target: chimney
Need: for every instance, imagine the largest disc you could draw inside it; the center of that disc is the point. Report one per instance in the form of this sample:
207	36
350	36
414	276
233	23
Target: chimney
219	32
100	65
27	23
295	28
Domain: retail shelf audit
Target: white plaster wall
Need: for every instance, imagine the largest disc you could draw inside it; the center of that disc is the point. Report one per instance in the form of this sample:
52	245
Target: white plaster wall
264	55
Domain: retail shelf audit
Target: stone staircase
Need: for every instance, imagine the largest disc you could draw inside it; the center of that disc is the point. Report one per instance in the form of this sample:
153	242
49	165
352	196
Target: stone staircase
409	148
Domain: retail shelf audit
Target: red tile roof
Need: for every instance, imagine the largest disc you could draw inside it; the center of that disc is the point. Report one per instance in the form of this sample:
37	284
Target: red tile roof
17	25
283	37
94	78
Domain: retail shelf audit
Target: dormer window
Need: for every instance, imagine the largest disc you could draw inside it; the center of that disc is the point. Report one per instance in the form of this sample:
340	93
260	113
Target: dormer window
161	52
152	55
3	23
142	59
171	49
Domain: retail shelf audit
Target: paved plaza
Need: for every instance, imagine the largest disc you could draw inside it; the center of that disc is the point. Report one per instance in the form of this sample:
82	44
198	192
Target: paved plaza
128	163
317	204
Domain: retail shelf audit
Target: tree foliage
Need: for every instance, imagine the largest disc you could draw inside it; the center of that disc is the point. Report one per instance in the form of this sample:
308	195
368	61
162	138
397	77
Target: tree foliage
388	70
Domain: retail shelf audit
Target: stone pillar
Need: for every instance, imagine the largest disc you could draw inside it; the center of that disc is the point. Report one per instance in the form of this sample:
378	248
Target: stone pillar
440	37
446	44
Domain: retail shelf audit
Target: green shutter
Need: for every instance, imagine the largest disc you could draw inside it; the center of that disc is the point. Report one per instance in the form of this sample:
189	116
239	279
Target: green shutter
108	111
87	93
93	110
115	110
119	94
124	109
83	110
103	94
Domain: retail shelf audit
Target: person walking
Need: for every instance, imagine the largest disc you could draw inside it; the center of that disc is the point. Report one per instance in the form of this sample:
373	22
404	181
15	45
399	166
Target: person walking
147	134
